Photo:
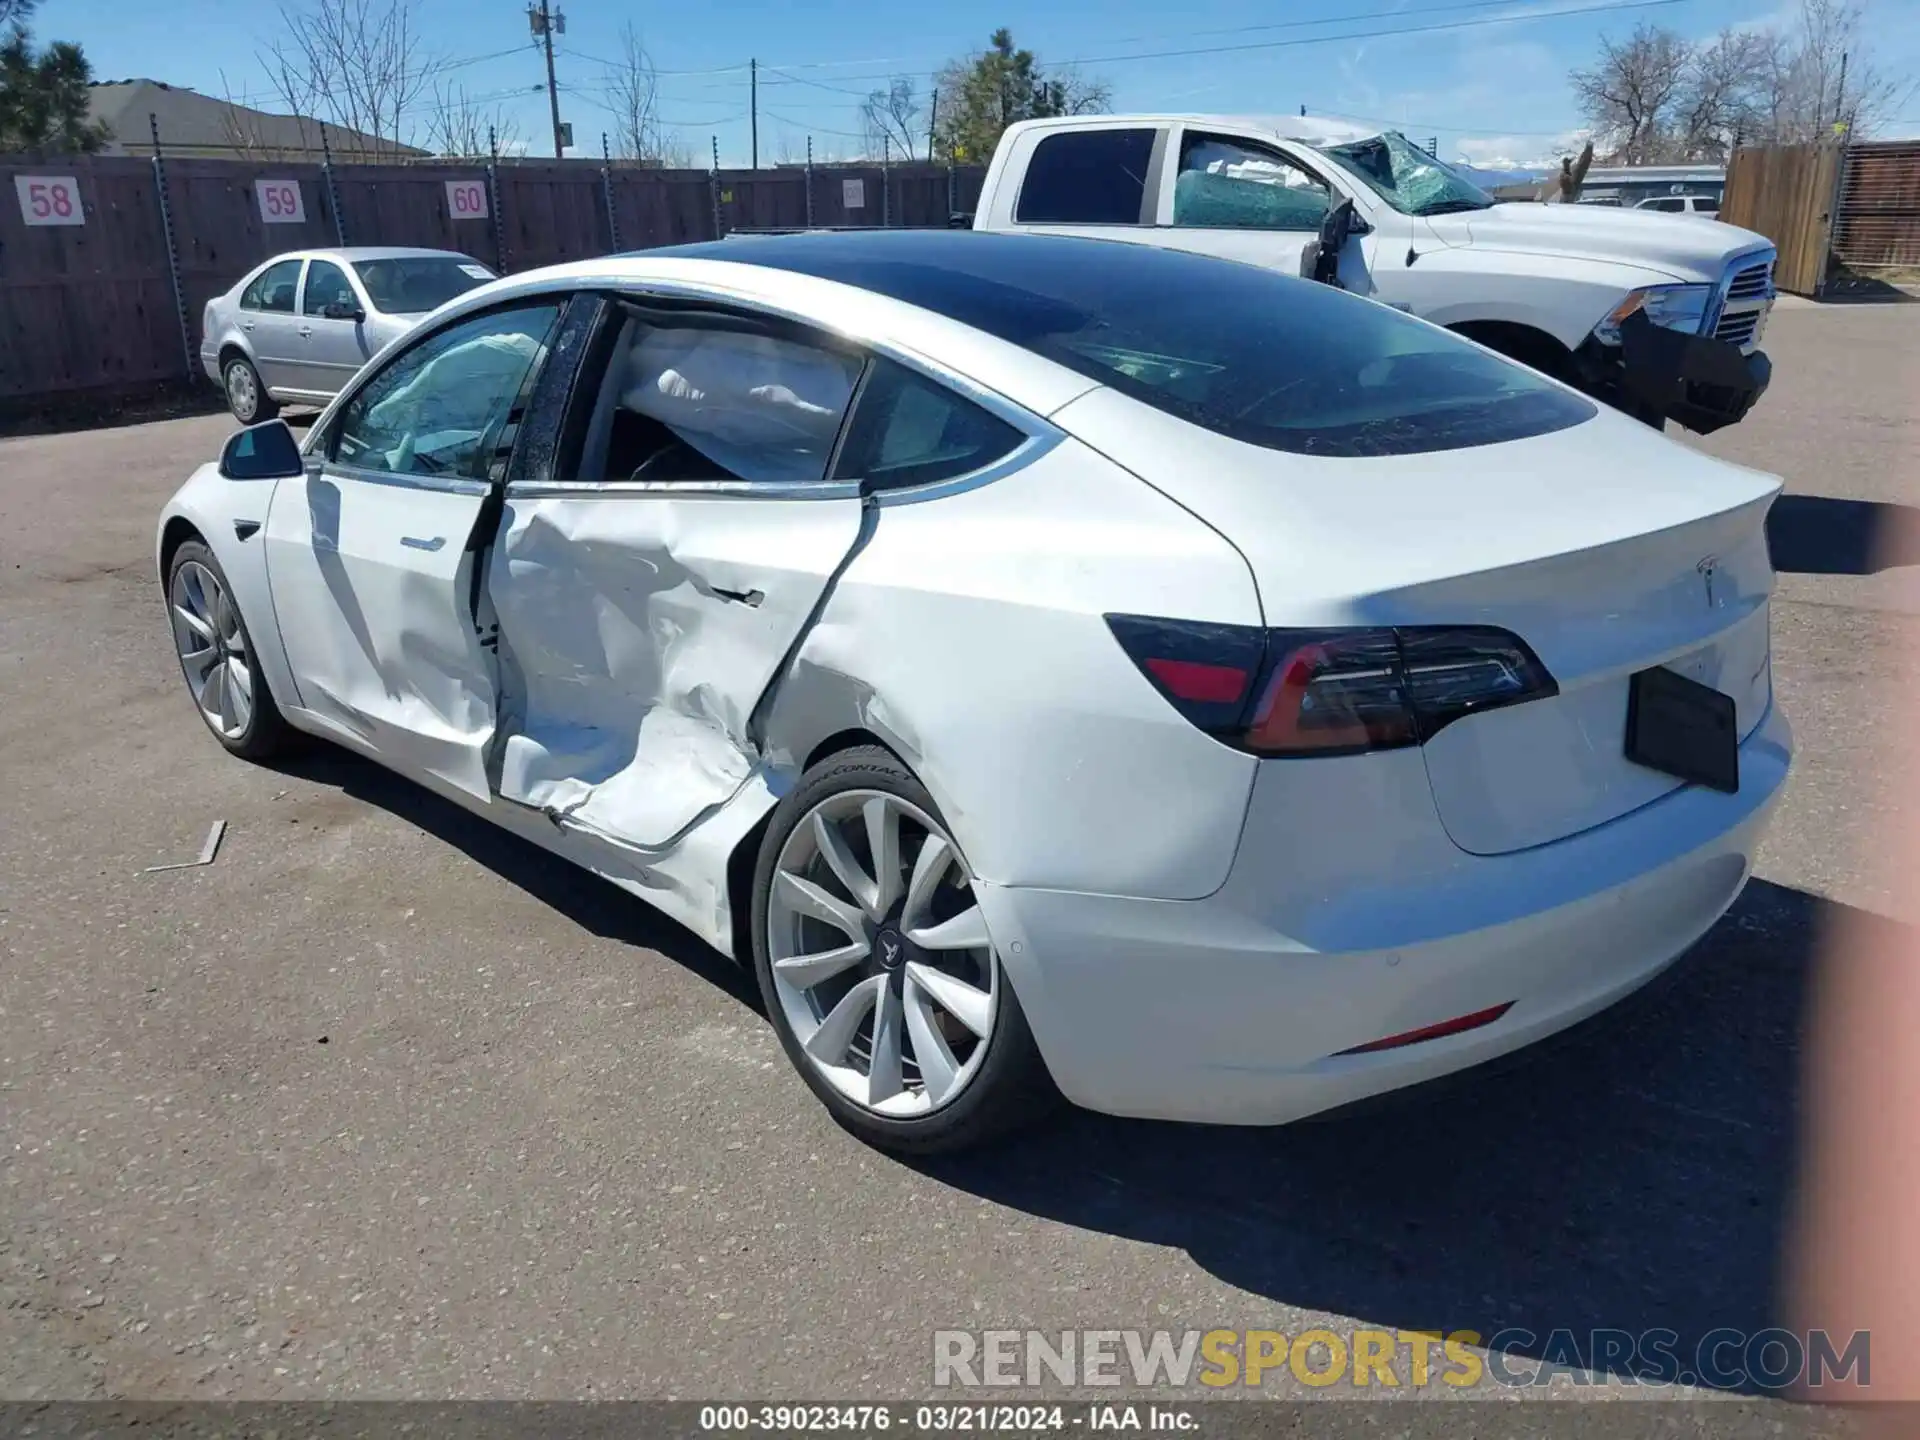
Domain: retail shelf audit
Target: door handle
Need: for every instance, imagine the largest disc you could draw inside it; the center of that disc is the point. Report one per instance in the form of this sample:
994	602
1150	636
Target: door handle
414	542
305	331
741	597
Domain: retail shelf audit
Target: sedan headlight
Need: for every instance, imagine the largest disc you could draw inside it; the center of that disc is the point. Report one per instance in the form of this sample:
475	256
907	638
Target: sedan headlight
1673	307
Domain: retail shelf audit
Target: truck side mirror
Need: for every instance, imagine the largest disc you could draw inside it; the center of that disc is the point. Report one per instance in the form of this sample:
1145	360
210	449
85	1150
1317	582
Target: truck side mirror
1334	230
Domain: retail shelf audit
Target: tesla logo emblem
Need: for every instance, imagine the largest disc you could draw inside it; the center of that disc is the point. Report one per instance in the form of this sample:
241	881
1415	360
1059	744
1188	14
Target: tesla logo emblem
1709	568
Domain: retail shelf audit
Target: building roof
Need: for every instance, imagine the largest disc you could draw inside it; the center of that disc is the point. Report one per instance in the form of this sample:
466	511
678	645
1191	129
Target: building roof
192	123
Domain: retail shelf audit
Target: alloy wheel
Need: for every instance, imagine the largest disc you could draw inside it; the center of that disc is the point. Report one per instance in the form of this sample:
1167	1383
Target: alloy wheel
212	649
880	956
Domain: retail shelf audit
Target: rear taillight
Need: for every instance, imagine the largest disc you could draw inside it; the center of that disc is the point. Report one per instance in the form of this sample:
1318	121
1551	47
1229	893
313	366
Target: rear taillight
1330	692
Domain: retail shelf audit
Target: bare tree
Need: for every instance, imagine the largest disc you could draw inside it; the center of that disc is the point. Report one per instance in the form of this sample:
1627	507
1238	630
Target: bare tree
1826	82
632	96
892	117
354	63
16	12
1628	94
1657	97
1724	97
459	125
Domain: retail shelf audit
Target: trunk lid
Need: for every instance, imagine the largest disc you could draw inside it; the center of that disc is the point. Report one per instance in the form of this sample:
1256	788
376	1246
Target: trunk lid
1606	547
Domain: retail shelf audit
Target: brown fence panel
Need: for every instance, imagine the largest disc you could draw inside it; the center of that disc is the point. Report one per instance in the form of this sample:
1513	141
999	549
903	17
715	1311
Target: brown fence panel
552	213
1785	192
661	207
90	305
1877	224
407	205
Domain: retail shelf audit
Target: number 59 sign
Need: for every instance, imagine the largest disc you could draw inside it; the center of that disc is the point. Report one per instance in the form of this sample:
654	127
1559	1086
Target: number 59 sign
467	199
49	199
280	202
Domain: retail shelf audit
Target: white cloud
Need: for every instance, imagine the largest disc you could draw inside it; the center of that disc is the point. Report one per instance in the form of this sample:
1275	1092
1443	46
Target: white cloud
1519	152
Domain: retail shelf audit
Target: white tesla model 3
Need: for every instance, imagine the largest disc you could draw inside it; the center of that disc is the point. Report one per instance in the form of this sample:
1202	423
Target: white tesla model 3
1048	662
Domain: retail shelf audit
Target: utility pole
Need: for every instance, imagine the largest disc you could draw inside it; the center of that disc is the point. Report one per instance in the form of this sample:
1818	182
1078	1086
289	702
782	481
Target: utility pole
1840	97
753	80
544	21
933	123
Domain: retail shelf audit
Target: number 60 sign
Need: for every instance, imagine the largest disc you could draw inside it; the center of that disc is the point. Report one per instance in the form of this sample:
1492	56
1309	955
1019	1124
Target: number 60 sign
467	199
49	199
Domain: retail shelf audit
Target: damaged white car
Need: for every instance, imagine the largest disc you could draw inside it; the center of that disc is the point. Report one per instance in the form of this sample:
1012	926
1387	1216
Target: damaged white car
1048	662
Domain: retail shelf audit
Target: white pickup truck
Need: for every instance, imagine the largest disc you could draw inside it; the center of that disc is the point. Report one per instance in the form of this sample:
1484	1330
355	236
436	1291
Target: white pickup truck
1659	315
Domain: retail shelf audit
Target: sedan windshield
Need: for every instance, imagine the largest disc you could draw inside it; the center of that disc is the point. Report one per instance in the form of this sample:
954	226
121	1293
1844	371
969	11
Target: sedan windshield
415	284
1407	177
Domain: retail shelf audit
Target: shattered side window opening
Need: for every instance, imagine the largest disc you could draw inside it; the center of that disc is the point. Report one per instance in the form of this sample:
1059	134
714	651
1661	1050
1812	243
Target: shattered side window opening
691	402
1407	177
1224	184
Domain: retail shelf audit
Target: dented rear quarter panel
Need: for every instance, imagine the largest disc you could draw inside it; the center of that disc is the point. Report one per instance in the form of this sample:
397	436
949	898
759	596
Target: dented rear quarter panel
969	635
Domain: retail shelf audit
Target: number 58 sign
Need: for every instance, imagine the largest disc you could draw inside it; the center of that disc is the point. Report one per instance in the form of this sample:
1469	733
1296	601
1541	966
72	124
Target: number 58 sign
49	199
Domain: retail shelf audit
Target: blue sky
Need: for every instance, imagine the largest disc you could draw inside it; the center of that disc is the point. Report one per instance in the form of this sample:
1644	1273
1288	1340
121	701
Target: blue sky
1490	85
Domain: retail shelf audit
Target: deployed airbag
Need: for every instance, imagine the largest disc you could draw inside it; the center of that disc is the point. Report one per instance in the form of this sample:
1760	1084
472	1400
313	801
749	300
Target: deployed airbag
762	408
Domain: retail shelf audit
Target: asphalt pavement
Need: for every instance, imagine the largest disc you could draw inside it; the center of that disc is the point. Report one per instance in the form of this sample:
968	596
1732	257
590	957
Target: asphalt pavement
384	1103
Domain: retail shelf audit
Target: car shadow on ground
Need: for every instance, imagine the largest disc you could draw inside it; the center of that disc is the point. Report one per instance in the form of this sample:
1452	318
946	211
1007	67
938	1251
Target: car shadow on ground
1819	535
597	906
1631	1176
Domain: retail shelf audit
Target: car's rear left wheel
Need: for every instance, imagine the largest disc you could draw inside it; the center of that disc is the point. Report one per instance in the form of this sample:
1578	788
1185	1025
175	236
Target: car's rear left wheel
217	657
877	967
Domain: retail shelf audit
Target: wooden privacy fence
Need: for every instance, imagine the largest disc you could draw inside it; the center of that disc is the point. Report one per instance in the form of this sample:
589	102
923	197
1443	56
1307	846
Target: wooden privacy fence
106	263
1786	193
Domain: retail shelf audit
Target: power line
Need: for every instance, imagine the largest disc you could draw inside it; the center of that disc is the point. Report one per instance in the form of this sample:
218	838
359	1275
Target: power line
1523	17
810	127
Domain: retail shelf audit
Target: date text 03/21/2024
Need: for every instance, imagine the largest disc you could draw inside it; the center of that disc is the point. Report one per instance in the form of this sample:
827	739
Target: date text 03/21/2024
945	1419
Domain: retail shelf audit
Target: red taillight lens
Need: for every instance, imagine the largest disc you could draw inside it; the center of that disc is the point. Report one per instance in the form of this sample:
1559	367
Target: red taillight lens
1330	692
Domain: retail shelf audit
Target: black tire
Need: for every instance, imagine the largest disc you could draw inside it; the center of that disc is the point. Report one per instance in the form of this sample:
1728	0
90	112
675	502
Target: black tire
1012	1088
267	733
265	407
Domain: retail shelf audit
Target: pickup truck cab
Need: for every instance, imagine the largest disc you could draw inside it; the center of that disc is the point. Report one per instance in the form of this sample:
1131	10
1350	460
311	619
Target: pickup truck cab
1661	316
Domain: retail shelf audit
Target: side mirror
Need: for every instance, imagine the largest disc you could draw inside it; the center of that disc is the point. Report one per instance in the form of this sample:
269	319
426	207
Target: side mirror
262	452
344	310
1334	231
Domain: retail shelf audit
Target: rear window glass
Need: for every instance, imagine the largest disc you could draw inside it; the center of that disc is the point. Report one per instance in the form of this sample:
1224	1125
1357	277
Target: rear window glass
1245	352
415	284
1086	177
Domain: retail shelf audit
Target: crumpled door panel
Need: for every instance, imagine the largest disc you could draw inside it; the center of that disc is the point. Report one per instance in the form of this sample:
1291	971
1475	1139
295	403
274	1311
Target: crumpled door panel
637	634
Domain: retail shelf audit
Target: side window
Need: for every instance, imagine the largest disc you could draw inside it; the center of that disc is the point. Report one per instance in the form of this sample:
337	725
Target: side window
908	430
683	400
1086	177
327	284
1224	184
273	288
1672	205
446	406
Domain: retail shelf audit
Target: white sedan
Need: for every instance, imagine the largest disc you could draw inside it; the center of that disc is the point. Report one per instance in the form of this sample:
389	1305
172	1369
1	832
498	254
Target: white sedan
1054	665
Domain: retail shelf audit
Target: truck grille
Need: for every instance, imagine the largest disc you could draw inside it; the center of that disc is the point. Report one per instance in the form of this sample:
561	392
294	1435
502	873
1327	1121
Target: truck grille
1752	282
1738	329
